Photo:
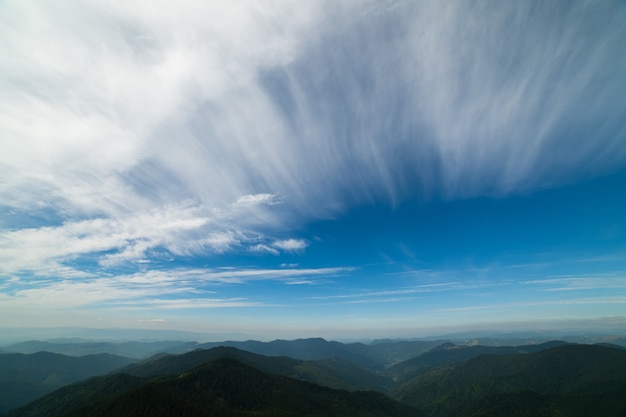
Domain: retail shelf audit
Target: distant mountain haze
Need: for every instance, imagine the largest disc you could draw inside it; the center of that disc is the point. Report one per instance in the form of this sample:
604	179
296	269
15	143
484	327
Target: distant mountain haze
129	349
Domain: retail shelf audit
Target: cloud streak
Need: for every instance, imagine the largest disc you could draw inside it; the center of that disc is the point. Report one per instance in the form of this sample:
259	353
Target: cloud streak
178	288
580	283
508	307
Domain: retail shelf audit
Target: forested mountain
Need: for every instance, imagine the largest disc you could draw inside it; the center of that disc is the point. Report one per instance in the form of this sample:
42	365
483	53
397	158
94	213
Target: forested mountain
226	387
570	379
449	353
553	380
376	357
73	347
220	387
24	378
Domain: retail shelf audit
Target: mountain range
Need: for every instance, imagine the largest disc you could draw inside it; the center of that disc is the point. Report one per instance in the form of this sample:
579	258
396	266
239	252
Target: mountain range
550	379
219	381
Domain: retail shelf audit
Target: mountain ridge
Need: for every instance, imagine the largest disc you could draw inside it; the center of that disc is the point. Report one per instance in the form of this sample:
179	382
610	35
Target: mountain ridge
556	374
210	385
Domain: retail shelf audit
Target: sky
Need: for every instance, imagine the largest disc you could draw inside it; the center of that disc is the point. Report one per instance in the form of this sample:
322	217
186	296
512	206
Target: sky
314	168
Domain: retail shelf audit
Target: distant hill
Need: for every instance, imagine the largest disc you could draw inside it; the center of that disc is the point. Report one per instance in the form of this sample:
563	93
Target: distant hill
556	379
335	373
449	353
135	350
220	387
375	357
24	378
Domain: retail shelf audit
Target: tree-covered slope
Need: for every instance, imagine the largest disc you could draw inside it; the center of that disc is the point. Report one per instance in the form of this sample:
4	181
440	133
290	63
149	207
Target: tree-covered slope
558	374
374	357
448	353
78	395
334	373
555	380
222	387
24	378
226	387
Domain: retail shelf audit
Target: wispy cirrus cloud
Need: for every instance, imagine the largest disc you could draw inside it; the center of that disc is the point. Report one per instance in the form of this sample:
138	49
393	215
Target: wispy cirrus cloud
141	132
169	289
580	283
91	134
185	229
398	294
278	246
192	303
323	103
509	307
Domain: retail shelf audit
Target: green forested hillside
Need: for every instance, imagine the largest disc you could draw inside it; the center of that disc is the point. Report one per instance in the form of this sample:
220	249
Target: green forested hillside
374	357
224	387
78	395
449	353
23	378
334	373
560	376
552	380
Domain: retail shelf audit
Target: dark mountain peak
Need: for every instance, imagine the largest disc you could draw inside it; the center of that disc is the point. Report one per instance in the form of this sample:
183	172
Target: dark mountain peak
313	339
309	342
218	350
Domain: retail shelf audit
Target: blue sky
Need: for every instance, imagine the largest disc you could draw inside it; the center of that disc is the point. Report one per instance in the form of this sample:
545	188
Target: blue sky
312	168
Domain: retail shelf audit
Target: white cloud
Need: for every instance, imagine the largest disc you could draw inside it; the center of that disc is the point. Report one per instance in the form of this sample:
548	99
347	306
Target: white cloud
174	231
83	112
192	303
580	283
368	296
253	199
291	245
45	249
130	106
137	131
243	275
176	288
261	248
302	282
